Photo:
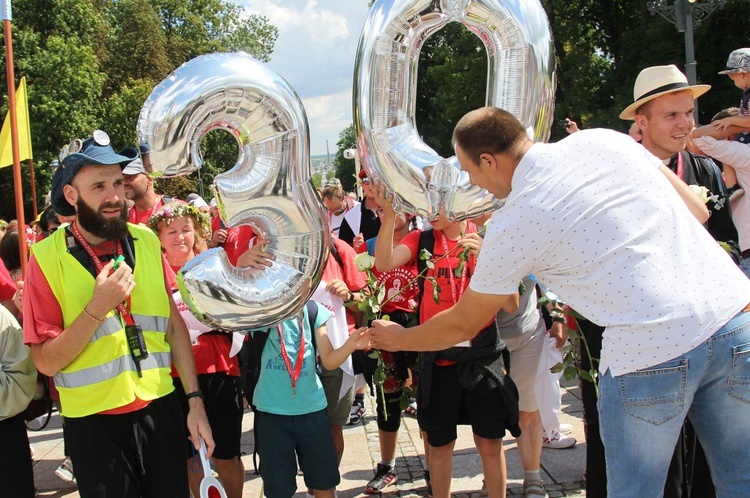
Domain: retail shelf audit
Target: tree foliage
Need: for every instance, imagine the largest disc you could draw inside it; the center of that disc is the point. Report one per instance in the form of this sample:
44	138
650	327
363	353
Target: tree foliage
600	47
91	64
345	168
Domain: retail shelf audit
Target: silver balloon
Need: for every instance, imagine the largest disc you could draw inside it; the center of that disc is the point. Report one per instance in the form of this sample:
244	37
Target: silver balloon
269	187
521	80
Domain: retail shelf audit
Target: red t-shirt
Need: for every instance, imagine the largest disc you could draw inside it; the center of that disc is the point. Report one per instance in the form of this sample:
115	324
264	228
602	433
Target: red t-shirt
451	286
211	351
7	285
43	318
141	217
394	281
354	279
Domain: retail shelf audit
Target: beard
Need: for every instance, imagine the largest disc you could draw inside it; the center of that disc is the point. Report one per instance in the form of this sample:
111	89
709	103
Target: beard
95	223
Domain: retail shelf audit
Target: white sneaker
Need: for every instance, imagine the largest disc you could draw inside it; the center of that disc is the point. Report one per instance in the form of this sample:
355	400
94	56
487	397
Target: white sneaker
65	471
566	428
558	441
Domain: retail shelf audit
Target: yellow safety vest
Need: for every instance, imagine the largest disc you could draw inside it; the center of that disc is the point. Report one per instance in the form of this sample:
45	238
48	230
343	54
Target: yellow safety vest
103	376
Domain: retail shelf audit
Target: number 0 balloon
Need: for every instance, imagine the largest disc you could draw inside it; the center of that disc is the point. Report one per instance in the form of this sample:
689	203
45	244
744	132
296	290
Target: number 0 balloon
521	79
268	188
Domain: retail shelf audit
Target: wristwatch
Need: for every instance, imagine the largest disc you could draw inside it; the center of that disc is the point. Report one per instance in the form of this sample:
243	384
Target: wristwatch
349	299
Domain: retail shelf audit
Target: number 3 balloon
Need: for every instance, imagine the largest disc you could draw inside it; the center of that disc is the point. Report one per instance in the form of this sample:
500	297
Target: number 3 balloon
268	188
521	79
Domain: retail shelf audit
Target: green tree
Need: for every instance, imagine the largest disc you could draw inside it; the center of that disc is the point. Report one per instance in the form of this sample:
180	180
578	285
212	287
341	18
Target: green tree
345	167
92	63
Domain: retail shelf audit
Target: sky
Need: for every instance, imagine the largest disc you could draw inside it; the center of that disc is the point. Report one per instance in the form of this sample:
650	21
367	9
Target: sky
315	53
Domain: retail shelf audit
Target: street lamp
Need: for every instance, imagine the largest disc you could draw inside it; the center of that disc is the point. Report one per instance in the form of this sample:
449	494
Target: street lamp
685	14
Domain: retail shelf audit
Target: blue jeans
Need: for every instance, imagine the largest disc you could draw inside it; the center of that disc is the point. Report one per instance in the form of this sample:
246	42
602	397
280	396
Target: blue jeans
745	266
641	414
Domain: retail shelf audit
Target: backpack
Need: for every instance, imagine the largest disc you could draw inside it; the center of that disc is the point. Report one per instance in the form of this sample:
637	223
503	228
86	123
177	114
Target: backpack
252	354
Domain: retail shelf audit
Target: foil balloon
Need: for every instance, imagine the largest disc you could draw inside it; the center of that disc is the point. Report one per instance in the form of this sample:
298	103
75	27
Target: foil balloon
269	187
520	79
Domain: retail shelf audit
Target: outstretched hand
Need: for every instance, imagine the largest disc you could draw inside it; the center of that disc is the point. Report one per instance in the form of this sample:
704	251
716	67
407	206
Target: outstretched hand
256	256
385	335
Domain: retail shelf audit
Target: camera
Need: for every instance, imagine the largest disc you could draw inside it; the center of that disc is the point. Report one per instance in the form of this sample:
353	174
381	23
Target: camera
350	153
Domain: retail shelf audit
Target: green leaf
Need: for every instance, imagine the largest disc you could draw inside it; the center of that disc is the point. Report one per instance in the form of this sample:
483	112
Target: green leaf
543	301
521	288
573	334
570	372
557	368
458	270
425	255
430	264
586	375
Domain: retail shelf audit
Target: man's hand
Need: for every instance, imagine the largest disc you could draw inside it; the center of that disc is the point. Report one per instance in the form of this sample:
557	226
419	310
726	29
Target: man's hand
198	425
256	256
218	237
338	287
385	335
560	332
111	289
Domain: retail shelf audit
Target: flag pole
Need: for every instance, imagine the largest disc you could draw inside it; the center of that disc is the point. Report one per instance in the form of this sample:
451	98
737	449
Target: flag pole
33	187
6	15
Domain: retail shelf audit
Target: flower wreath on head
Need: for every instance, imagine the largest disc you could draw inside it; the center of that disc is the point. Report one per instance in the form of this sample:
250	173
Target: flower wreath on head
175	210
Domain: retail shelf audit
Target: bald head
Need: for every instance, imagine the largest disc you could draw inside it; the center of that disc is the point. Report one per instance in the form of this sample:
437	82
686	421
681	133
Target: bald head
488	129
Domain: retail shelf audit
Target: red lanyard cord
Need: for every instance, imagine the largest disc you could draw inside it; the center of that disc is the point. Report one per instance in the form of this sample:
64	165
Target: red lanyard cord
295	372
123	308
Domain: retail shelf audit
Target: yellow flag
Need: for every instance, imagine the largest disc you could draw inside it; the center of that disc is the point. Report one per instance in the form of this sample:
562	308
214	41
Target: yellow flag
24	130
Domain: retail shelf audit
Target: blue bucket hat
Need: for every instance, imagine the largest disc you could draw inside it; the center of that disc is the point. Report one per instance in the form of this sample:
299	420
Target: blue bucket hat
95	151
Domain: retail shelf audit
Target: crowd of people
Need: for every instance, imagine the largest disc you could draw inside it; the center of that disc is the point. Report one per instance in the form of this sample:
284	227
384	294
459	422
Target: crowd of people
631	232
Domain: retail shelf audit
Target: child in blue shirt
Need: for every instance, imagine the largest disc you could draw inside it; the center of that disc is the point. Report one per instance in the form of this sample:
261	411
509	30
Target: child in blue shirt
291	419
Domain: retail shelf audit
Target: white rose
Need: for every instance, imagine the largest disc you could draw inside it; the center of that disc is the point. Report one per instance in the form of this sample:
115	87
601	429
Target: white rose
364	262
702	192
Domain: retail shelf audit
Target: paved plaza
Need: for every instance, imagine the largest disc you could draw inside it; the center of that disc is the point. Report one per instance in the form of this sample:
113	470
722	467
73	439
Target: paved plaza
562	470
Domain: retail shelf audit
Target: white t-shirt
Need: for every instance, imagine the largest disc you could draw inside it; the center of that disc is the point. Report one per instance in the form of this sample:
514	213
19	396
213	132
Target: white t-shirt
736	155
595	221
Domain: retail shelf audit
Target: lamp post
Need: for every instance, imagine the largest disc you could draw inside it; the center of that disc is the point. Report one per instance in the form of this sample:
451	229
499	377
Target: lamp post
685	14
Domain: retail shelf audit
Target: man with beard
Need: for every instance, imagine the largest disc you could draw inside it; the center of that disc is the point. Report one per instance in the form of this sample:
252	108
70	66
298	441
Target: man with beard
108	331
139	186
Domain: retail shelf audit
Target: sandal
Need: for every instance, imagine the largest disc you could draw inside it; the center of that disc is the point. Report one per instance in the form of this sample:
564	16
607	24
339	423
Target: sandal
534	489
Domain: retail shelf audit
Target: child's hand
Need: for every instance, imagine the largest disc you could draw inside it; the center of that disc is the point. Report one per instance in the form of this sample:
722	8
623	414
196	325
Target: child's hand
722	124
256	256
359	339
472	242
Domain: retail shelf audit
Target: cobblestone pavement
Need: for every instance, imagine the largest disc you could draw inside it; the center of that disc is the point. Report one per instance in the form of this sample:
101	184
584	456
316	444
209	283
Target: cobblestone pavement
562	470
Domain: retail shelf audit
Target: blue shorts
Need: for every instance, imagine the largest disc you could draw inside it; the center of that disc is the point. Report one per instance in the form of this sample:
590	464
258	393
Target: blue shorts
309	438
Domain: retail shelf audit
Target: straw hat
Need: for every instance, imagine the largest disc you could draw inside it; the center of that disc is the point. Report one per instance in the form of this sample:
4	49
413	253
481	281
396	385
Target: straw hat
656	81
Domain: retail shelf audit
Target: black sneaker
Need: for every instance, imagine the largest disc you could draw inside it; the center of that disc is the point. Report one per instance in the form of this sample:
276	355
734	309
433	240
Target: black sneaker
357	412
384	477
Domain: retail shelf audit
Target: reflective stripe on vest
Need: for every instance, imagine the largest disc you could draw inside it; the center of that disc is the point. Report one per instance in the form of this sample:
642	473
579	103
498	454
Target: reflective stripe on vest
103	375
106	371
112	325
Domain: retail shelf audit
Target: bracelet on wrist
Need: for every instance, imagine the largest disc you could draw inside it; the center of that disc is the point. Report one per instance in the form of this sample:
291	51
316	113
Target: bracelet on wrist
349	299
194	394
560	319
85	312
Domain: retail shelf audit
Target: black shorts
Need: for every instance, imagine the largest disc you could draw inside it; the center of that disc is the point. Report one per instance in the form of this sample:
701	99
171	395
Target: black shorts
451	405
308	436
224	408
133	455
